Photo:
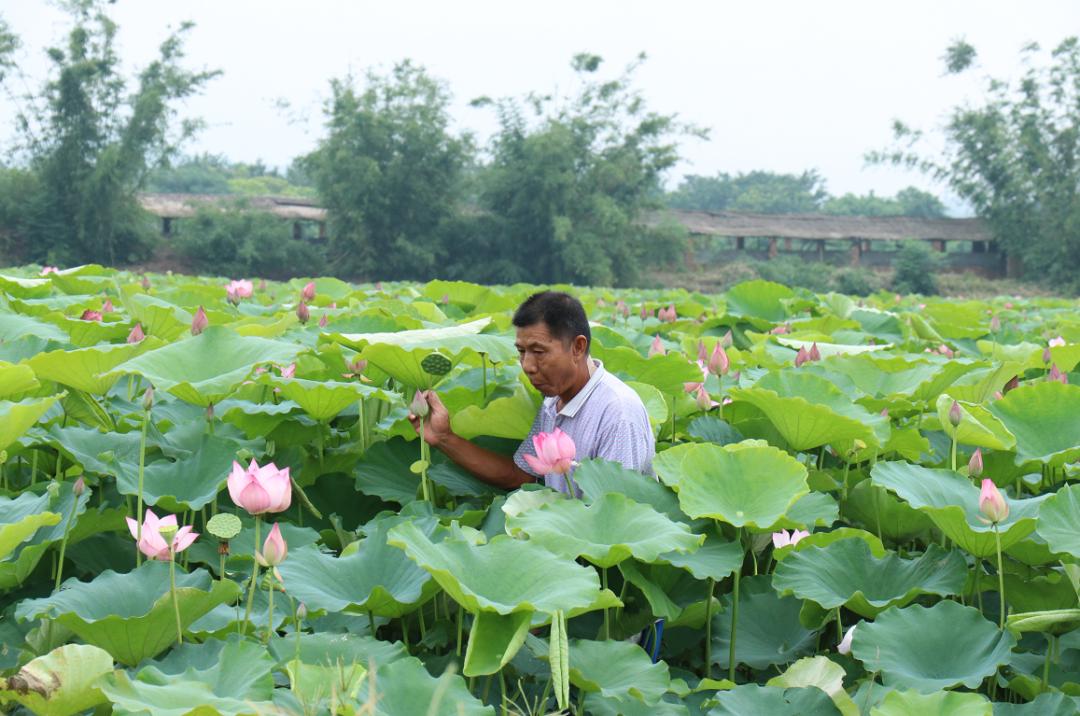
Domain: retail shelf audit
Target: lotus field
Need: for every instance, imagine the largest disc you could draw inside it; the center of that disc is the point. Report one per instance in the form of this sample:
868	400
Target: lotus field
212	502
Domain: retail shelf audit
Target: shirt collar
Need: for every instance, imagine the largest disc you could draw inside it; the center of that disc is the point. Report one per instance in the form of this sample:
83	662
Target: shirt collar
571	409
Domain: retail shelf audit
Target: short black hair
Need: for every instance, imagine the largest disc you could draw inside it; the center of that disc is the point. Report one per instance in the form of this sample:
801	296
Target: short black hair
564	315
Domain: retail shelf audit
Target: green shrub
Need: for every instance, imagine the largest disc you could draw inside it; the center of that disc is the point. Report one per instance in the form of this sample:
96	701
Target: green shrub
232	241
857	282
795	272
916	263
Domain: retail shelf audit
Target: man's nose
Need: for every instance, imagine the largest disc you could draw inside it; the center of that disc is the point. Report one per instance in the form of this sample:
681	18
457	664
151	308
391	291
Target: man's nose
528	364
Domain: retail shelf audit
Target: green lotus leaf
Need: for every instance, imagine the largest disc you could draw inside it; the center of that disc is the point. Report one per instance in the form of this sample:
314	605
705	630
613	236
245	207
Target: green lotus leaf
884	377
884	514
25	287
618	670
942	703
494	639
15	532
818	671
768	632
711	429
507	417
16	379
599	705
932	648
824	539
809	411
405	688
1045	418
235	667
977	427
715	559
606	532
759	299
749	484
672	593
312	684
1054	621
83	369
206	368
845	573
323	400
830	350
655	405
130	615
61	683
176	697
324	648
18	417
814	509
952	502
1047	704
159	318
376	578
774	701
1058	517
190	483
666	373
14	325
505	575
17	566
596	478
384	471
470	297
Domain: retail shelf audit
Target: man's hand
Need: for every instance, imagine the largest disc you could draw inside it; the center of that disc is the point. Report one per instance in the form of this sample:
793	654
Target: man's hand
437	423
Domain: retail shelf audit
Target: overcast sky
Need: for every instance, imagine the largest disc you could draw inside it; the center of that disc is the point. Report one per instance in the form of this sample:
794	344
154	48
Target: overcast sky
783	86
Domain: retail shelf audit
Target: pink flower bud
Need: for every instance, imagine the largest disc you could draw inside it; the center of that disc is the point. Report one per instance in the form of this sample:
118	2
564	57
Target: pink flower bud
274	549
702	352
657	347
308	294
79	487
975	464
814	353
445	300
303	313
844	647
89	315
1047	356
719	363
802	356
288	371
955	414
199	322
419	405
992	503
145	283
1013	384
704	402
1056	342
148	399
644	314
136	334
107	307
1056	375
322	321
995	324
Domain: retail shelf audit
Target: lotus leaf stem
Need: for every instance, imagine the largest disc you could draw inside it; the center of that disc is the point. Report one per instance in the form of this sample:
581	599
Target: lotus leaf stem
952	454
270	609
64	541
33	471
708	627
460	619
734	612
1001	576
483	370
607	623
371	623
139	503
361	427
175	598
254	573
423	469
1051	642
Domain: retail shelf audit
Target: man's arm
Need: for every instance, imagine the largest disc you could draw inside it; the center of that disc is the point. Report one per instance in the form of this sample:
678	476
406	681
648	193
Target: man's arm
491	467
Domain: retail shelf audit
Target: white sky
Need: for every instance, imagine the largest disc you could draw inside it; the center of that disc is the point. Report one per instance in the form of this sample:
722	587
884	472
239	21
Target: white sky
783	85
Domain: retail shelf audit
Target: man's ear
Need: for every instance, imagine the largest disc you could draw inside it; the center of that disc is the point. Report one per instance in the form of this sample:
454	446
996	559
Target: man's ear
580	346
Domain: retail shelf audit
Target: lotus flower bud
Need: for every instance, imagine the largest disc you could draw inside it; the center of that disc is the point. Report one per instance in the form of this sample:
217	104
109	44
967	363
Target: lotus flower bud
955	414
1056	342
301	611
148	399
199	322
303	313
975	465
145	283
702	352
1013	384
89	315
644	314
107	307
136	334
1047	356
783	539
288	371
844	647
209	412
885	413
274	549
445	300
995	324
719	363
657	347
419	405
79	487
803	356
322	321
1056	375
308	294
998	395
992	503
814	353
704	402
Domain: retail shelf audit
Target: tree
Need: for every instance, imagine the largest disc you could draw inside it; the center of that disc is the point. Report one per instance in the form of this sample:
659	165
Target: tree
388	172
757	192
907	202
1015	158
90	142
569	179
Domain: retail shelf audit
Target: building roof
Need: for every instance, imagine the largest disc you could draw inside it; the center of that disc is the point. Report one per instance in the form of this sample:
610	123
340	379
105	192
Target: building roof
824	226
177	206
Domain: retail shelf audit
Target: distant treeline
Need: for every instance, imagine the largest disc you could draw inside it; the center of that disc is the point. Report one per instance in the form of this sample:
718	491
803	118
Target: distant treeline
555	195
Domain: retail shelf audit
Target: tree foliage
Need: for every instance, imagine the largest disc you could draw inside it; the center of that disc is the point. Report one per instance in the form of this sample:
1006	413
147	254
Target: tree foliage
89	141
389	173
907	202
758	192
1015	158
569	179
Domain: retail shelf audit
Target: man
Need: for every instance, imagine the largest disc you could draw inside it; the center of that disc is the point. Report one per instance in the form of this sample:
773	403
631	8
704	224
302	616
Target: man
604	416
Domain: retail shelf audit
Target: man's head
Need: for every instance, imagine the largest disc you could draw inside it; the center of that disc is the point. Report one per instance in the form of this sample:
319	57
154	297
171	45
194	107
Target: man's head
553	339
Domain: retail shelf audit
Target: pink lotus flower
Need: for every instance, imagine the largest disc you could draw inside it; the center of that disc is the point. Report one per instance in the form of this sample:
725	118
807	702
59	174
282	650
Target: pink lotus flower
136	334
814	353
975	464
308	294
260	489
702	352
323	321
1047	356
555	453
1056	375
657	347
995	324
89	315
728	340
46	270
152	544
274	549
1056	342
703	400
239	289
946	351
992	503
1009	305
644	313
199	322
844	647
378	285
145	283
1012	384
719	363
955	414
783	539
107	307
288	371
801	357
445	300
303	313
780	330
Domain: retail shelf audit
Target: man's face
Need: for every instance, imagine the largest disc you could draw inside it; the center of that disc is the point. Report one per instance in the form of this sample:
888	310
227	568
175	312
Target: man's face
548	362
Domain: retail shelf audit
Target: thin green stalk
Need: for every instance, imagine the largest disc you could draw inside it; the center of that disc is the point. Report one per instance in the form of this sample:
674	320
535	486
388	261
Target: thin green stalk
978	585
734	613
254	573
1001	576
460	619
270	609
607	623
63	543
423	470
708	627
483	370
361	427
1050	639
371	623
502	692
952	454
33	469
175	598
139	508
